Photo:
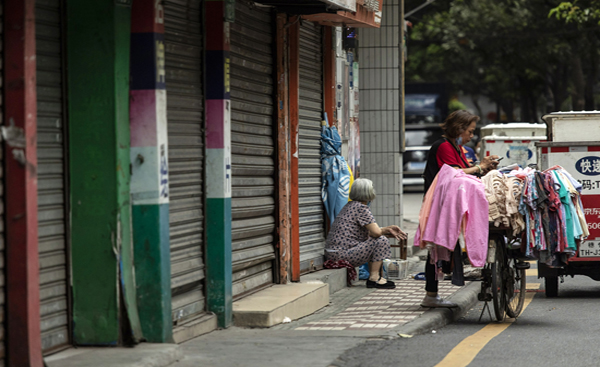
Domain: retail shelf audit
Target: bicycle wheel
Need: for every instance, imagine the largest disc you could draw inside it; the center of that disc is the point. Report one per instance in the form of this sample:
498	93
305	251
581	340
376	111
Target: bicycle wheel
498	287
516	287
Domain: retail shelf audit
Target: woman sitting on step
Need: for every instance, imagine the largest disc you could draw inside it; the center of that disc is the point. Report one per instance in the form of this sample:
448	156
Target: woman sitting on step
356	238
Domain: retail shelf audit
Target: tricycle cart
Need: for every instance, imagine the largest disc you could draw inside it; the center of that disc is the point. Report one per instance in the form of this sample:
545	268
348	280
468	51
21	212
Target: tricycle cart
503	278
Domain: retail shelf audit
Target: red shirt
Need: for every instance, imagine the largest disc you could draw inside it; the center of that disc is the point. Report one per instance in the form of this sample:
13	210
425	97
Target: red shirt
448	154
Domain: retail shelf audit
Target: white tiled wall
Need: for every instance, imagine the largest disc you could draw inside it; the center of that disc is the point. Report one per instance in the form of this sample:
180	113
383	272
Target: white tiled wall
379	119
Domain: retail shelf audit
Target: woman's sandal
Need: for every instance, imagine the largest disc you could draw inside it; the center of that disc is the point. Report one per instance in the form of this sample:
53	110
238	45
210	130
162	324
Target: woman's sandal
387	285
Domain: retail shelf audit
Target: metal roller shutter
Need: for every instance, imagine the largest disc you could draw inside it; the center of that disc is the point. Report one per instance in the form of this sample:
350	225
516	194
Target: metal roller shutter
52	202
2	283
183	58
252	148
311	215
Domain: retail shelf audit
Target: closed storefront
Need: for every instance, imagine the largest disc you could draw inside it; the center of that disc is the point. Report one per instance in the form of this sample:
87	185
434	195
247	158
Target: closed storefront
252	149
310	110
52	177
185	122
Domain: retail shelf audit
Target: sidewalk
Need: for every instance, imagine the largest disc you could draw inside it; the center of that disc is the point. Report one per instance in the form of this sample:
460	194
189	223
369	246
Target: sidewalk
353	316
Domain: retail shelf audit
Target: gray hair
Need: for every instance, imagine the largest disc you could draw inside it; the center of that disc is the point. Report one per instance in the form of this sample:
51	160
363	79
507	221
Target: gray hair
362	190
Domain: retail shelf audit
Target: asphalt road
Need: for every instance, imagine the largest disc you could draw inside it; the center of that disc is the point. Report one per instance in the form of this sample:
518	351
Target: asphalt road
549	332
411	204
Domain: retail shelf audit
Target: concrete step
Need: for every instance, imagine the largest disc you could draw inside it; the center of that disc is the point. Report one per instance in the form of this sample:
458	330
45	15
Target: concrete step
270	306
202	324
336	278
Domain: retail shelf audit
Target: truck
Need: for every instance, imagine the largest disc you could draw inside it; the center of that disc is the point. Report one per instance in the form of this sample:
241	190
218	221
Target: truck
574	143
515	142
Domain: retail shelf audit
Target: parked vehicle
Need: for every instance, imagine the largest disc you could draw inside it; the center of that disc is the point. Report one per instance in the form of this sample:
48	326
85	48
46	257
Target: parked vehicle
424	112
418	142
574	144
514	141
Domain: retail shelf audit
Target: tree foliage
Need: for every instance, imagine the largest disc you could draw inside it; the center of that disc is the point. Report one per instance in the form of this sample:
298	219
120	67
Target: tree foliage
580	12
514	52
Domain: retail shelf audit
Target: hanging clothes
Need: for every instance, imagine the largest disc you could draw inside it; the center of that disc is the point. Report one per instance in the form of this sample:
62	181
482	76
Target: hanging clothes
459	203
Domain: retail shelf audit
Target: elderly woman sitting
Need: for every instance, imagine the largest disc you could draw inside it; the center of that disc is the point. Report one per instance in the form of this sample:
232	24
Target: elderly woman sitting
355	237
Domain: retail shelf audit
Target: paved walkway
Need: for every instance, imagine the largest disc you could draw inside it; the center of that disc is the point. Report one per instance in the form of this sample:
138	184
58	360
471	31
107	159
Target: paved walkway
354	315
381	309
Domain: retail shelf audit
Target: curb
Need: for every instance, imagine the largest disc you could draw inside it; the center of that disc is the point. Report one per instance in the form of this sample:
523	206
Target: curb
436	318
142	355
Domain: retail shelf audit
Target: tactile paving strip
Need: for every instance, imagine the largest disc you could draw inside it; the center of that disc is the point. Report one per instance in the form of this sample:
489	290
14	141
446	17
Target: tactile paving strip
383	308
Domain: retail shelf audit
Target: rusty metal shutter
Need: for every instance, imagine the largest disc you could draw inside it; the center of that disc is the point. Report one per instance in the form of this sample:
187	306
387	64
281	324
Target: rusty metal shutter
253	149
2	249
52	177
185	122
311	211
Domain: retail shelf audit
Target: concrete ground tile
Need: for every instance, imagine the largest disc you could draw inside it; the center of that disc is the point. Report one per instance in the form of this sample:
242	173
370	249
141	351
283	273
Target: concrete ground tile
381	326
339	328
392	325
356	325
301	328
368	325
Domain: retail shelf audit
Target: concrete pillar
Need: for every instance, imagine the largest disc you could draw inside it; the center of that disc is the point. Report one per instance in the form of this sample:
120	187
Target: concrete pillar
22	316
149	167
218	164
104	300
382	112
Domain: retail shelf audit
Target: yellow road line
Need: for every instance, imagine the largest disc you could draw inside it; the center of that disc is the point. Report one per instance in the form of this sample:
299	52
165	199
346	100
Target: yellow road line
464	353
531	272
533	285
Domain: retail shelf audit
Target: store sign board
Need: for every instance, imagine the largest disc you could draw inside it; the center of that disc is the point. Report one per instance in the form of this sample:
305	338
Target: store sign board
348	5
584	166
580	164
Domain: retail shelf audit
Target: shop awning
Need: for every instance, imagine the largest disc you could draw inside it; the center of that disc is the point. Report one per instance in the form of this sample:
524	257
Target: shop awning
348	13
304	7
366	15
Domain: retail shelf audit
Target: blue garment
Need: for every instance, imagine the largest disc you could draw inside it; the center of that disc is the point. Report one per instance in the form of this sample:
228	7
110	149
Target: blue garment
335	185
363	271
470	154
565	198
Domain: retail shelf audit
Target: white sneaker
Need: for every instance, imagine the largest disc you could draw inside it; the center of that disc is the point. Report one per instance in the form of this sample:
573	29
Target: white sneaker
437	301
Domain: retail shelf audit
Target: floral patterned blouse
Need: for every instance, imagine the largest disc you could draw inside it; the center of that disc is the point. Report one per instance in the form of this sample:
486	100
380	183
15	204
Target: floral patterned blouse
348	228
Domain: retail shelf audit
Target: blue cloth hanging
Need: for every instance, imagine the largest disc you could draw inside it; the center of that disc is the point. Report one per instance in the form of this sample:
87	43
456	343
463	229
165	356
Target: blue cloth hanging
335	184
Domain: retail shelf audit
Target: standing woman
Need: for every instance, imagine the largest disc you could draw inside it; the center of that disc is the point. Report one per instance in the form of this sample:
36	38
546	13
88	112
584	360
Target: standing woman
356	238
458	130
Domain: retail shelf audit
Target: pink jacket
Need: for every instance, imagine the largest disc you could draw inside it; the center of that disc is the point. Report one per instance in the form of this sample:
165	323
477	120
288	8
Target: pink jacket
459	198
